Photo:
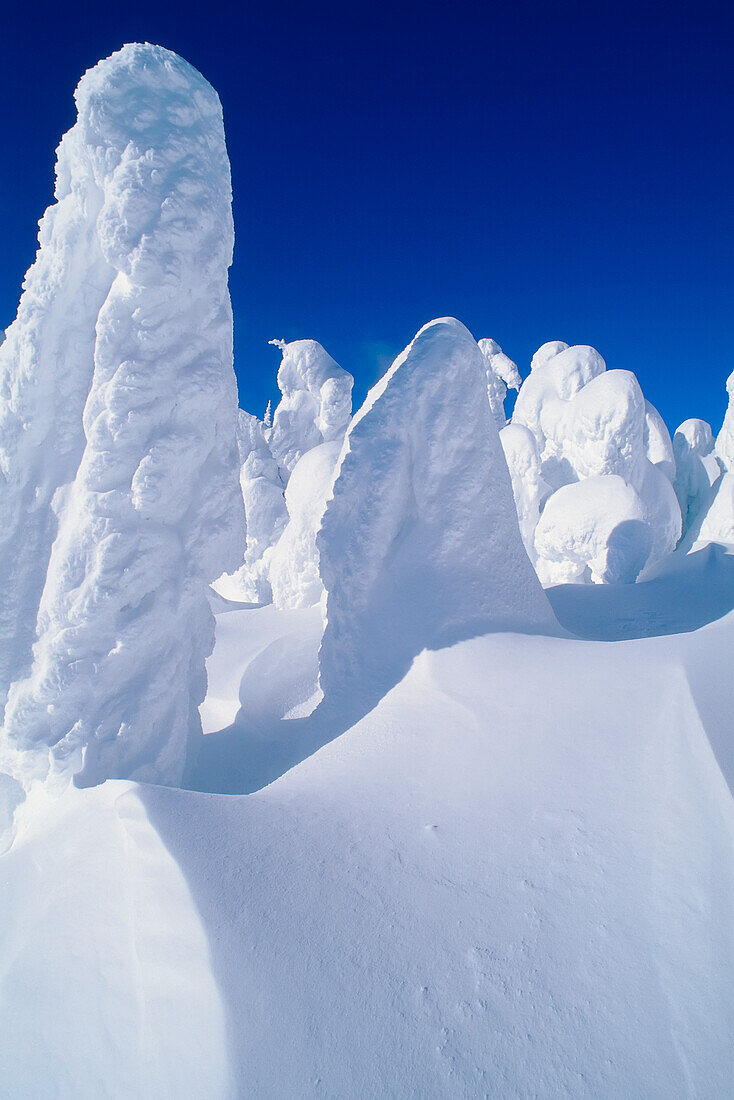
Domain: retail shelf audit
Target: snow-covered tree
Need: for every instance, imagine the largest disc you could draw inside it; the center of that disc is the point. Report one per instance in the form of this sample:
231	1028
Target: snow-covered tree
316	402
591	425
120	448
502	374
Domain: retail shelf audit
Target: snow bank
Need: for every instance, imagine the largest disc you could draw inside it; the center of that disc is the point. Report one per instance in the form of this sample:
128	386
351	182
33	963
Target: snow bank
149	511
591	424
419	543
316	404
502	374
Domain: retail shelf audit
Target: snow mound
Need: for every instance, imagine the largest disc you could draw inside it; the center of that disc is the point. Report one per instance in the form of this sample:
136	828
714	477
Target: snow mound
502	374
419	543
137	423
316	404
591	424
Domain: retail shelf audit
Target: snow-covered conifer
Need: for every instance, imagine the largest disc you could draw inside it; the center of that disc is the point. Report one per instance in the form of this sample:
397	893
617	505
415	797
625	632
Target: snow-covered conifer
118	376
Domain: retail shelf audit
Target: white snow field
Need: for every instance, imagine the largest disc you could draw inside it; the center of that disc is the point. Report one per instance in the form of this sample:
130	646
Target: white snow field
342	802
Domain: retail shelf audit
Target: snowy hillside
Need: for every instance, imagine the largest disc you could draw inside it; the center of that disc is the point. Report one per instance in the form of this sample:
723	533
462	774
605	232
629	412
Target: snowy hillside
372	753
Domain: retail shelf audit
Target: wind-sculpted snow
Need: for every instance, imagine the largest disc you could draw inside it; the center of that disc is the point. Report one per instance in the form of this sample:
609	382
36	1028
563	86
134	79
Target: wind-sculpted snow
316	404
590	425
419	544
136	423
502	374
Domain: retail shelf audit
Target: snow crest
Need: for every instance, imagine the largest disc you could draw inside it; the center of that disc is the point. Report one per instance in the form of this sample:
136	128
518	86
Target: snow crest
119	370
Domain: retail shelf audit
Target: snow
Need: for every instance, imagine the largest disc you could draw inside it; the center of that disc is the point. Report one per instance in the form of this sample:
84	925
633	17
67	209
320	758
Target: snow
316	402
422	504
528	487
476	890
152	512
502	374
294	565
696	468
609	511
713	508
359	808
265	511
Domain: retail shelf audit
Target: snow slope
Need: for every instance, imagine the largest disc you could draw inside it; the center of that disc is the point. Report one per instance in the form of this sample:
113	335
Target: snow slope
478	890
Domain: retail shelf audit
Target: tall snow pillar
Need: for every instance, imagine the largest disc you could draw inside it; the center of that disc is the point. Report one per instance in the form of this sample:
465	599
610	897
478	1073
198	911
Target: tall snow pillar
120	452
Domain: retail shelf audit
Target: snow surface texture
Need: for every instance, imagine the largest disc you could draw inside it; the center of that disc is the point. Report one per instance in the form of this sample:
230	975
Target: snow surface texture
419	543
512	878
606	468
502	374
119	382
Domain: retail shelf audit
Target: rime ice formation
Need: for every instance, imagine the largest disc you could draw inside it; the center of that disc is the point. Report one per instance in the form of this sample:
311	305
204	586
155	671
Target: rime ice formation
419	543
502	374
316	402
281	528
546	352
528	487
658	444
590	424
725	438
121	398
265	511
718	521
294	561
696	468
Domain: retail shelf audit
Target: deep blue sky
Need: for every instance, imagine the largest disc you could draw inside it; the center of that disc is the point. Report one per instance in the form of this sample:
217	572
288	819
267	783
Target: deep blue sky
541	171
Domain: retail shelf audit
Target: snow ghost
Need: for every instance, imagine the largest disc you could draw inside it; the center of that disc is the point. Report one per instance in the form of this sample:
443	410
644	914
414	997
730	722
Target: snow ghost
119	448
717	510
591	425
419	544
281	559
263	494
316	404
502	374
697	468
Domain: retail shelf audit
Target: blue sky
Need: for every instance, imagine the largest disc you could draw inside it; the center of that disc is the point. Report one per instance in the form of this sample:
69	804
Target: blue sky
541	171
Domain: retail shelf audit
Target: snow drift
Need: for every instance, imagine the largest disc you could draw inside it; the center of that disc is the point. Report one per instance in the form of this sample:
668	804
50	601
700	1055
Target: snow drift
119	431
419	543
